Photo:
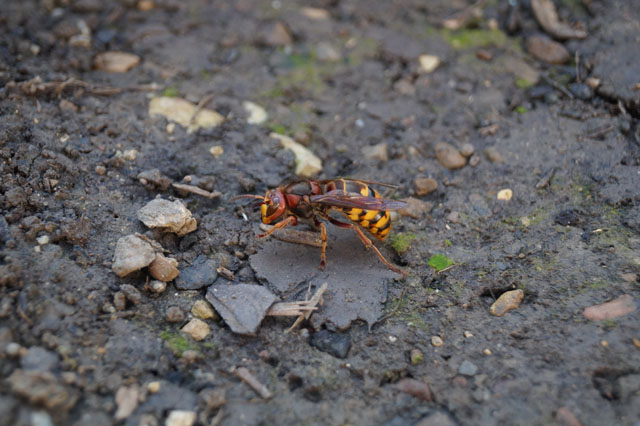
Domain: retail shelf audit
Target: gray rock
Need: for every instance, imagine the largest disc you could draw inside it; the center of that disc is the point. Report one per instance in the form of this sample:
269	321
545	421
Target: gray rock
168	216
39	359
241	306
467	368
132	253
202	273
334	344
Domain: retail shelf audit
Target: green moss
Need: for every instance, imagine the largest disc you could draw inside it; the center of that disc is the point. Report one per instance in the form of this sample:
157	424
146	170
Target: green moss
401	242
178	342
474	37
277	128
440	262
448	243
523	83
170	92
520	109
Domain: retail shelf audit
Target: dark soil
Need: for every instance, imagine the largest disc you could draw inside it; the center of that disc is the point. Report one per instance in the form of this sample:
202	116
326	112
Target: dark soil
339	79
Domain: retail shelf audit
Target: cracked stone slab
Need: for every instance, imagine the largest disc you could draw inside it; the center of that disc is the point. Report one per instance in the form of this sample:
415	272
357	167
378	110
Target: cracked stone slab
357	280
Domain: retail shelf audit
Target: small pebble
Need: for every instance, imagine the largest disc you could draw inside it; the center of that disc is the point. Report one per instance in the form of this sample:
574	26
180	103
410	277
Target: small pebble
181	418
621	306
493	155
474	160
525	221
203	310
256	114
505	194
428	63
216	151
581	91
307	163
436	341
164	268
636	342
168	216
174	314
133	294
593	82
119	300
416	356
416	208
449	156
131	254
547	50
116	62
379	152
13	349
416	388
564	416
157	286
507	301
467	150
153	387
468	334
487	352
424	186
197	329
467	368
127	401
335	344
629	277
454	217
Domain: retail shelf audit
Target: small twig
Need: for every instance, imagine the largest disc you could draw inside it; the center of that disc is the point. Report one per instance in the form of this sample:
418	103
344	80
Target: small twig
294	236
196	190
557	86
156	245
290	309
447	268
393	311
546	179
249	379
601	132
313	302
203	103
36	86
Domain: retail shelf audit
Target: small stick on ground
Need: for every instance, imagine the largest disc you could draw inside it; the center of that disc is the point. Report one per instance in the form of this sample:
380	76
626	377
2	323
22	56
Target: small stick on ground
546	179
156	245
313	302
249	379
290	309
293	236
203	103
196	190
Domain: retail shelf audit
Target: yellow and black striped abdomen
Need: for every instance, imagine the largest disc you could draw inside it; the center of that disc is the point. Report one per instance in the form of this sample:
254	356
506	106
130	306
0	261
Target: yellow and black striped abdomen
378	223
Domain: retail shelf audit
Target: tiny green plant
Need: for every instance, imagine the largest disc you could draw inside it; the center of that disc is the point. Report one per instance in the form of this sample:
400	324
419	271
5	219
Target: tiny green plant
401	242
440	262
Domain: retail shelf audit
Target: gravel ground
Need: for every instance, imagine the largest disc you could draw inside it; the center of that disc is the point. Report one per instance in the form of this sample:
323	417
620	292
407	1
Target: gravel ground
134	292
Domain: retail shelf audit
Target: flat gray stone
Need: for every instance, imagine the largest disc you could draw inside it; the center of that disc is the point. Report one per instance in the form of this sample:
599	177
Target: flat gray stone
241	306
357	280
